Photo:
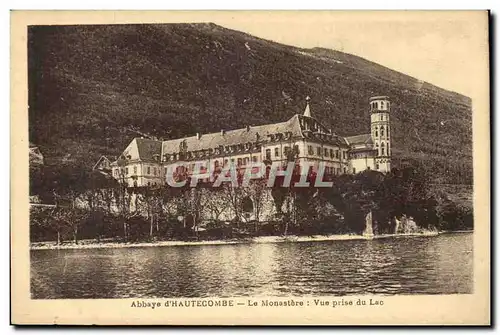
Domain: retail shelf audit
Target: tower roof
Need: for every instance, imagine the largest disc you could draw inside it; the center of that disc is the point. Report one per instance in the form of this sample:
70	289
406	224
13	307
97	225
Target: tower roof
380	97
307	111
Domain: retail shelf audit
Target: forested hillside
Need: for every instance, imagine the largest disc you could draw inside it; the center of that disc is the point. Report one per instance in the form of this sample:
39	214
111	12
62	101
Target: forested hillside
93	88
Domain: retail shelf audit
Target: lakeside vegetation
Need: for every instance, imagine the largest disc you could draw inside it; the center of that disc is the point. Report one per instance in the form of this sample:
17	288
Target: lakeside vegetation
391	198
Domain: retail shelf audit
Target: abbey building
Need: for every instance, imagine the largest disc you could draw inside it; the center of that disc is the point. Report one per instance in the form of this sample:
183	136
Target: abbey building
302	138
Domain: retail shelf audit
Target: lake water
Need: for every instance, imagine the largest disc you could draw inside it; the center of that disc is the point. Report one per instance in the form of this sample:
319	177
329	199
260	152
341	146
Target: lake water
405	265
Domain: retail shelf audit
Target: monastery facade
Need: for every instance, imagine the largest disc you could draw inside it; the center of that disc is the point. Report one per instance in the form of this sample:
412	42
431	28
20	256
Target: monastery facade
145	161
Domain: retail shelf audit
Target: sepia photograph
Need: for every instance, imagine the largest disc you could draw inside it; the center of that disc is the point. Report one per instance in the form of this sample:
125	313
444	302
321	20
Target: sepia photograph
204	163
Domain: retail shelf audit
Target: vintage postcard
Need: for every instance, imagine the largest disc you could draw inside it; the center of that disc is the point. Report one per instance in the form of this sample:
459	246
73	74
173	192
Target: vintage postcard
250	168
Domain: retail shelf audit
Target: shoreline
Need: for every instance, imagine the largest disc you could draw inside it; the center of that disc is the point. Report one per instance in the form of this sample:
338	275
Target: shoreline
256	240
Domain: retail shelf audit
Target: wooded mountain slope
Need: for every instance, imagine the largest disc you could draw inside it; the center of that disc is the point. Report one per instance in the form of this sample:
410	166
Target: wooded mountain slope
93	88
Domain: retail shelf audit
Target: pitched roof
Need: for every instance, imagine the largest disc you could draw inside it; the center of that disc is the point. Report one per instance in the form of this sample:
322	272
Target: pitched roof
99	161
147	148
233	137
359	139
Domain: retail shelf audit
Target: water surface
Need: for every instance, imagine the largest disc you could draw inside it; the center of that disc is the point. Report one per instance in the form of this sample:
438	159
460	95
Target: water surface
404	265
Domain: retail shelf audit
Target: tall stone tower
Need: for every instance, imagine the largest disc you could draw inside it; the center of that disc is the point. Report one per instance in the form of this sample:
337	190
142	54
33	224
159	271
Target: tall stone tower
380	108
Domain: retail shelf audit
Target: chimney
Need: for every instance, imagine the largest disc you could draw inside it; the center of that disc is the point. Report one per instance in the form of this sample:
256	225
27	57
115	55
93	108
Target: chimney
248	128
198	136
222	132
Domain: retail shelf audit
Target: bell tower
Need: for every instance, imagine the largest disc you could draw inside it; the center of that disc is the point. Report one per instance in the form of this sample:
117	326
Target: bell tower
380	108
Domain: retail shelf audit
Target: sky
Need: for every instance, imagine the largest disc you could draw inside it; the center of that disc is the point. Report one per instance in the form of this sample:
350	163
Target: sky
447	49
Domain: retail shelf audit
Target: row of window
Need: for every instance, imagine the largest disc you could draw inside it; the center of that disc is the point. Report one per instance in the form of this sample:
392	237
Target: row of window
334	171
241	161
125	171
382	150
333	154
382	131
382	104
286	152
216	151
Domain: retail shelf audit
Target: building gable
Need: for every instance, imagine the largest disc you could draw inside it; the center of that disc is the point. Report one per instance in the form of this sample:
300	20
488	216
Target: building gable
102	164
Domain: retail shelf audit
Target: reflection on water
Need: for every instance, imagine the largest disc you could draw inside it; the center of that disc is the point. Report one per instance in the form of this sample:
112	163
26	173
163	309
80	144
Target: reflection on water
417	265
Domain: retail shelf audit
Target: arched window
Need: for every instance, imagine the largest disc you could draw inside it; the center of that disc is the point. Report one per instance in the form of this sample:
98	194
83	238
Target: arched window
382	131
376	131
381	117
383	148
